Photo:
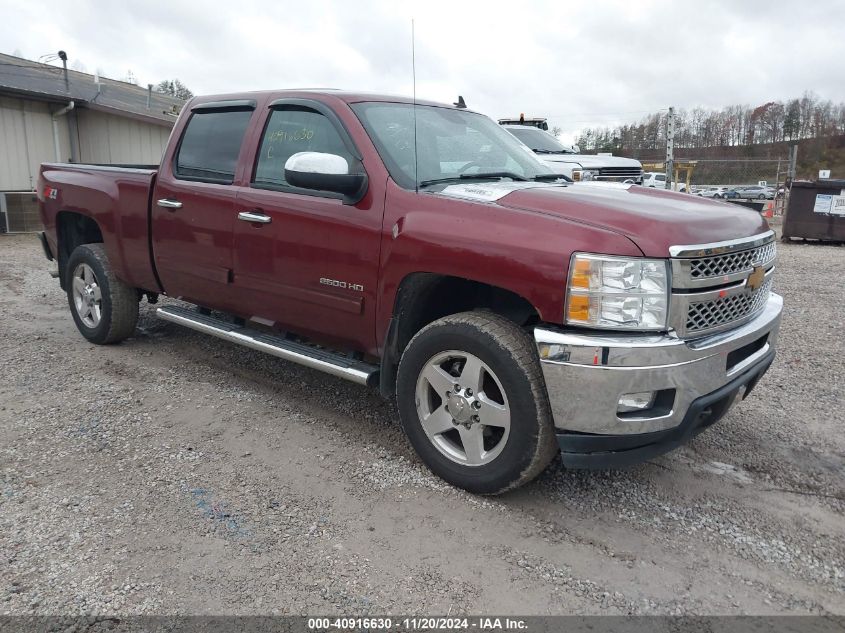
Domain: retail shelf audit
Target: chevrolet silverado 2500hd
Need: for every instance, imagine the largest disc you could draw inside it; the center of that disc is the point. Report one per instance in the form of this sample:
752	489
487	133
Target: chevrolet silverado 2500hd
421	250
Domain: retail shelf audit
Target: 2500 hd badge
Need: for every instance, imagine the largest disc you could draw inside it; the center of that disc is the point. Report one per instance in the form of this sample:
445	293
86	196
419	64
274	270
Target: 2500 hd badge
341	284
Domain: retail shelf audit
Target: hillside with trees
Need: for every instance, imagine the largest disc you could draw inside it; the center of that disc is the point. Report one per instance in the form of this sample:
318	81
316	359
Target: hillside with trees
736	125
736	132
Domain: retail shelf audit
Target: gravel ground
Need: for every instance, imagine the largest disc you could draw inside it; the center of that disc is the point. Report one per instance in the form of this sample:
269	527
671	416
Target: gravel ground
174	473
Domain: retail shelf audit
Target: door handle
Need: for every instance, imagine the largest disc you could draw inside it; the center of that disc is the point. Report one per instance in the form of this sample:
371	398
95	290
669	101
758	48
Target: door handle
254	216
167	203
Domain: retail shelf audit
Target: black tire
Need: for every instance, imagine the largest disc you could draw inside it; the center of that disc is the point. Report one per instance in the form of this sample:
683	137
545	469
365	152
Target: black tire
762	196
118	304
510	352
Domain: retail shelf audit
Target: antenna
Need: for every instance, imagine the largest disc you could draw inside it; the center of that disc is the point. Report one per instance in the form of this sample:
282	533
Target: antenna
414	79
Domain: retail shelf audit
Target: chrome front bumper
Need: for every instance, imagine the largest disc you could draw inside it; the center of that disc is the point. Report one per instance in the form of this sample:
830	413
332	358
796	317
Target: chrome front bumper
586	374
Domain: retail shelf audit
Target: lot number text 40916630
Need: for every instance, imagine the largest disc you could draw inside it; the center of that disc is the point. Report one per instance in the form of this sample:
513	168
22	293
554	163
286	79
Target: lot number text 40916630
417	624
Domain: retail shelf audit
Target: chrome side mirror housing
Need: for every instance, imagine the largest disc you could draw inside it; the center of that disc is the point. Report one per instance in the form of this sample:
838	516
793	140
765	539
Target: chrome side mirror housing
320	171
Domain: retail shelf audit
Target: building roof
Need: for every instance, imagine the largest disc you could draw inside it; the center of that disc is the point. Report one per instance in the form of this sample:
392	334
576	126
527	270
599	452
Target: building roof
35	80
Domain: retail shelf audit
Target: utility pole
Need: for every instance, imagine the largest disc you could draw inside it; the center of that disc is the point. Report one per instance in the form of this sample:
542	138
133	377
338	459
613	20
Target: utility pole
670	147
793	159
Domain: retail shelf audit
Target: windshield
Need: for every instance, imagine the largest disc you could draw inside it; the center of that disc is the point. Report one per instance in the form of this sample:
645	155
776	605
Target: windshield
538	140
451	144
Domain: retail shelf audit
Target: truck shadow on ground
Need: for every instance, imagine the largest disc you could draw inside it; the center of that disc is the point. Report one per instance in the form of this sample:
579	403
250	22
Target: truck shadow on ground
367	419
361	414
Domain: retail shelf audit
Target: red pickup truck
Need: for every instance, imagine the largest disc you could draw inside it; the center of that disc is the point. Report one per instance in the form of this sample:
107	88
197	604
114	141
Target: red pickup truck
420	249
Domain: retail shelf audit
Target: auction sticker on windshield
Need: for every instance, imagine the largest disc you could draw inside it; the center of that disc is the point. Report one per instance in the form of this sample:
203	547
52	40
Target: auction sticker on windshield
492	191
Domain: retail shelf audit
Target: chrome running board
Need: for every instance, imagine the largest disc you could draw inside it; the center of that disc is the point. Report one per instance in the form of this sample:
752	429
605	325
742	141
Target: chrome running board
316	358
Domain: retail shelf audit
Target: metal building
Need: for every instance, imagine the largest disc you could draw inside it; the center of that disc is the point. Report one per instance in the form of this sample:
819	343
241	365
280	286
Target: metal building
48	114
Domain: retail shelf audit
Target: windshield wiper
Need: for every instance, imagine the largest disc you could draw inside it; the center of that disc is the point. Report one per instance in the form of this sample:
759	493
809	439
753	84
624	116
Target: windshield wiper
483	176
550	177
437	181
551	151
496	174
493	174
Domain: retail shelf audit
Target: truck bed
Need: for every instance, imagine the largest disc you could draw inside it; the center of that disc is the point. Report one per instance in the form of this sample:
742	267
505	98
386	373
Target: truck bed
118	199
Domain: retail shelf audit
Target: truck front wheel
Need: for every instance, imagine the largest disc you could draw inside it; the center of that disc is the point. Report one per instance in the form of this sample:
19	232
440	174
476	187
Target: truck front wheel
473	403
104	308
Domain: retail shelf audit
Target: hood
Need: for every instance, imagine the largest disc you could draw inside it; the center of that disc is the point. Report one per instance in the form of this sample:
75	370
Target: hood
588	161
654	219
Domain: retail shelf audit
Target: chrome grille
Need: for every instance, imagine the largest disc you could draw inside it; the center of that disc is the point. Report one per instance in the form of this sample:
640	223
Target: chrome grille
710	291
707	315
721	265
620	173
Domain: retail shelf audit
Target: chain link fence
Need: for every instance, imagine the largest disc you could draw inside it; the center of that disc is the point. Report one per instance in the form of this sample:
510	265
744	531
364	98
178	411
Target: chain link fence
758	180
736	172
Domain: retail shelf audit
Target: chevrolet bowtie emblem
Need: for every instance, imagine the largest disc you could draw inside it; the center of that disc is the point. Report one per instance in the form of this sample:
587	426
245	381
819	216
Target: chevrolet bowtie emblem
755	279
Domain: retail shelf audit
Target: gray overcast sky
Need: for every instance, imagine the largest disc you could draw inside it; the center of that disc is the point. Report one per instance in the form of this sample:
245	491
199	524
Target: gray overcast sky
578	63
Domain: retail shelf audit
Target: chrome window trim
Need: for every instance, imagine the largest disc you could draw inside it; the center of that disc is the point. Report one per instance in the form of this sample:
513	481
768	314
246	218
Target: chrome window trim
722	248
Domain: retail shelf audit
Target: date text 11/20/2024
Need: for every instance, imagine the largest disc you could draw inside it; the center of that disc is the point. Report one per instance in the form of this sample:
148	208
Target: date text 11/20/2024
417	624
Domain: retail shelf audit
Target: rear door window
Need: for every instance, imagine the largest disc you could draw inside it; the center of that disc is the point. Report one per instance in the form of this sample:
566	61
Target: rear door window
210	146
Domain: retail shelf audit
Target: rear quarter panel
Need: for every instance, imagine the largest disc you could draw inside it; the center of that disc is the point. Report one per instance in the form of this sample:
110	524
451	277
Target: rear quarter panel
117	200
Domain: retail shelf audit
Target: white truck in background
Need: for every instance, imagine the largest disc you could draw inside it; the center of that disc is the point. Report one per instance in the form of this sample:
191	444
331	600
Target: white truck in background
657	179
564	160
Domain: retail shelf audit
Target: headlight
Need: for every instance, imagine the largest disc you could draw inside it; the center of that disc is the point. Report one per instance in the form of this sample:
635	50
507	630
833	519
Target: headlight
628	293
584	174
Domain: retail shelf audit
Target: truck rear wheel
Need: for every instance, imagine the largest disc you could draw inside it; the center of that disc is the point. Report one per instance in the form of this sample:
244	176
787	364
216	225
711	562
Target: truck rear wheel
104	308
473	403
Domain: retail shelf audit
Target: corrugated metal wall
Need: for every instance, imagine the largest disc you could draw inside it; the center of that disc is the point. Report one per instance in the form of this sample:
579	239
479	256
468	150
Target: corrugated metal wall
105	138
26	140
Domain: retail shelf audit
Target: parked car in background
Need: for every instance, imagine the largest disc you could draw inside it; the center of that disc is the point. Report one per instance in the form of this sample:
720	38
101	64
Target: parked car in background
708	192
562	160
755	192
654	179
718	193
657	179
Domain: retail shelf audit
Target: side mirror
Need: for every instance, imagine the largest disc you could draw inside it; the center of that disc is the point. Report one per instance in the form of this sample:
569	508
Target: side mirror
325	172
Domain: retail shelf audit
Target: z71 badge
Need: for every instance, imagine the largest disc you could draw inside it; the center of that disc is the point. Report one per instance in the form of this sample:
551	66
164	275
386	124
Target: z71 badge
341	284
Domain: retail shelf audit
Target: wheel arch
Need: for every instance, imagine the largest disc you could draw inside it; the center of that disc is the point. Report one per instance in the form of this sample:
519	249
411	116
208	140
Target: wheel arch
74	229
422	298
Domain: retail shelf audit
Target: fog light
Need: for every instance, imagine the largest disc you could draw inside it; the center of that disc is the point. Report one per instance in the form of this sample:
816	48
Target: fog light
553	352
635	401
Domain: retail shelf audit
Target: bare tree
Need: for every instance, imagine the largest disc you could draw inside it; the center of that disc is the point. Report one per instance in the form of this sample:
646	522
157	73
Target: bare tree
174	88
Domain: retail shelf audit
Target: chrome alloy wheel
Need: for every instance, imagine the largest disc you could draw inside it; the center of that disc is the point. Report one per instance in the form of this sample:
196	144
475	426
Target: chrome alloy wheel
463	408
87	296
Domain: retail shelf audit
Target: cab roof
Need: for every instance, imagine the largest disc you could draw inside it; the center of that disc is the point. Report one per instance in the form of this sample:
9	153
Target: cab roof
321	94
